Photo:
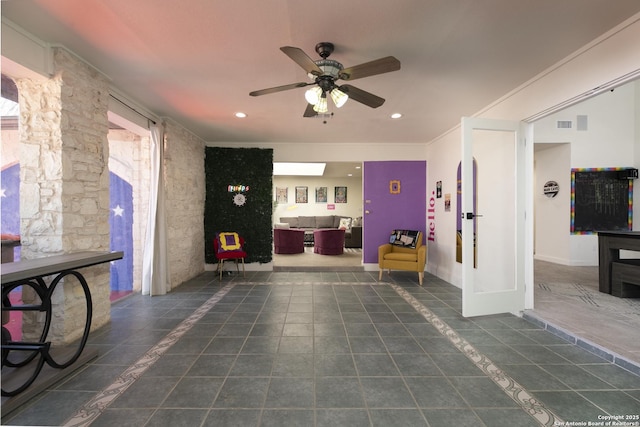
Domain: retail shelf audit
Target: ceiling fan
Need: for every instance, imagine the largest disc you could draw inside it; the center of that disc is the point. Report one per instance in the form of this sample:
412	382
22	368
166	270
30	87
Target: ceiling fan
326	72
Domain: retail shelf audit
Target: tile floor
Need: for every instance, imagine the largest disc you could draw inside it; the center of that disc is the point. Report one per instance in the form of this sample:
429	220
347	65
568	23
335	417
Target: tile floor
328	349
568	298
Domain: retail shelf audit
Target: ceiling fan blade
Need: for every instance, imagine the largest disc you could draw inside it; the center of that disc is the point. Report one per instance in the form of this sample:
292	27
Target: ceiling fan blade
302	59
309	111
379	66
362	96
279	89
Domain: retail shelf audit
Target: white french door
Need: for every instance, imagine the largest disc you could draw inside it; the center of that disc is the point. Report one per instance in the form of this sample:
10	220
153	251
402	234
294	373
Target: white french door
495	217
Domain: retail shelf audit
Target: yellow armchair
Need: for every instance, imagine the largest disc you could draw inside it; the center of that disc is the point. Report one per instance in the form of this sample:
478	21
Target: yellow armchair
394	257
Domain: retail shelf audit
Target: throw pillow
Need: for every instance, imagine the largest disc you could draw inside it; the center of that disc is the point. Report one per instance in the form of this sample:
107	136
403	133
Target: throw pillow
284	225
228	242
404	238
345	224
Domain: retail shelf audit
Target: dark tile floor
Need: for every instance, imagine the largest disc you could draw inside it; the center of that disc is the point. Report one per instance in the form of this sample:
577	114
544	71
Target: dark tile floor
328	349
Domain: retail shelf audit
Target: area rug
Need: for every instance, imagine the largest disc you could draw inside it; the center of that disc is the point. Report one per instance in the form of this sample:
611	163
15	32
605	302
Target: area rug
352	257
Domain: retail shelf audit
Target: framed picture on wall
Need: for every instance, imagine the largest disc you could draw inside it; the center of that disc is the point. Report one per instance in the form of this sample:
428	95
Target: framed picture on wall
302	194
340	194
282	195
321	194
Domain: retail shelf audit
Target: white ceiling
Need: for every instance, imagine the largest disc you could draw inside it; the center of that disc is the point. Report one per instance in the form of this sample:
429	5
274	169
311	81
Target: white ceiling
196	61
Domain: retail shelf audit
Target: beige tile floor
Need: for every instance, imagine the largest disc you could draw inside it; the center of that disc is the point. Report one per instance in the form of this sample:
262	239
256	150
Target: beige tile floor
568	298
351	258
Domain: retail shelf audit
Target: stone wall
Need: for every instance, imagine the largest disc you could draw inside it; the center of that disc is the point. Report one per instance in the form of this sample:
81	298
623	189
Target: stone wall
64	152
64	194
40	167
185	192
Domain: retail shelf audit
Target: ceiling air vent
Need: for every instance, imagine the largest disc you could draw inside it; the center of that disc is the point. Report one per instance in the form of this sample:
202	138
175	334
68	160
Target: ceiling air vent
564	124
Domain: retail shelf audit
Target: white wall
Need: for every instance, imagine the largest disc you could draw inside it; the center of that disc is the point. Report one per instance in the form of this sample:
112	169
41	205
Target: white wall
442	165
552	215
603	61
610	141
636	157
353	207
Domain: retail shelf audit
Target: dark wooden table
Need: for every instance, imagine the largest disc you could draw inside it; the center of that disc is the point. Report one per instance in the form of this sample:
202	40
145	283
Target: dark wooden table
609	245
7	249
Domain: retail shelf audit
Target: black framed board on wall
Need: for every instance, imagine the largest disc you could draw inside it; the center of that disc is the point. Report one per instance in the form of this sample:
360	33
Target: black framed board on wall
601	200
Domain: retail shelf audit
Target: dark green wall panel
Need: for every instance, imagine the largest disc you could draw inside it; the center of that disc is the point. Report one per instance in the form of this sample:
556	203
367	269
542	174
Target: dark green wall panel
252	167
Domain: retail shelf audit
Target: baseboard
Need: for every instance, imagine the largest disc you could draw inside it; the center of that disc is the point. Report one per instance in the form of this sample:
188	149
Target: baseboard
254	266
564	261
555	260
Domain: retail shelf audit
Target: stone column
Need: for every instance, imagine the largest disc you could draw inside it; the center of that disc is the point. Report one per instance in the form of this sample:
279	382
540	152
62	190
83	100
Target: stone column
64	194
185	193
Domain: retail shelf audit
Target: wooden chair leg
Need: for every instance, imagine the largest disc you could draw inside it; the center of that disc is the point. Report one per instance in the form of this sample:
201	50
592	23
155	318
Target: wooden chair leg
380	275
243	274
220	265
420	277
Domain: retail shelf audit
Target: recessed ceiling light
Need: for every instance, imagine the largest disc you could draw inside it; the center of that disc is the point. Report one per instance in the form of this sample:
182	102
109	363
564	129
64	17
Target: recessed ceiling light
358	167
396	115
349	174
241	115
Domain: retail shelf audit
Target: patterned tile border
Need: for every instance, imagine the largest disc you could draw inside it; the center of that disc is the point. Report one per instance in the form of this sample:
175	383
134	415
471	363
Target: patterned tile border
94	407
514	390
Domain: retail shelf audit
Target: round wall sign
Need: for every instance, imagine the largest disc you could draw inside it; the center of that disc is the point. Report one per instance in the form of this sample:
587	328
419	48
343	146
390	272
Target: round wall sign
239	199
551	189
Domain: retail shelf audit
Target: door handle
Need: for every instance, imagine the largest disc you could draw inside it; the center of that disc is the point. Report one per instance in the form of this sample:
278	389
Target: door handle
471	215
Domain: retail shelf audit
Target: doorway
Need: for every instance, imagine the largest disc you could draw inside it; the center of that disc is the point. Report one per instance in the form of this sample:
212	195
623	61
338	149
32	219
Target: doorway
335	192
129	172
596	133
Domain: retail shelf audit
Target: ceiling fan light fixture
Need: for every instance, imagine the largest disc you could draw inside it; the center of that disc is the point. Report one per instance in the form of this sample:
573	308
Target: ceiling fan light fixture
325	73
313	95
339	97
329	67
321	107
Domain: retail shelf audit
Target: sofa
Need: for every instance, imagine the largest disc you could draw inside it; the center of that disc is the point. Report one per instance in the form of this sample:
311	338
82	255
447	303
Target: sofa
312	222
353	238
352	227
